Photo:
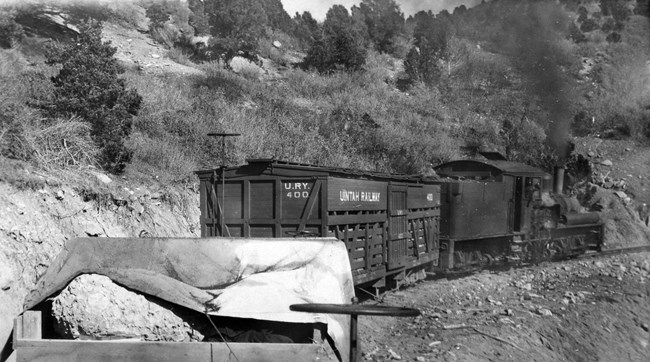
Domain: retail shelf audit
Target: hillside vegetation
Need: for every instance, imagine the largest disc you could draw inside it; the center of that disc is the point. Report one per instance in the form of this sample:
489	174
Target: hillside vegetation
367	88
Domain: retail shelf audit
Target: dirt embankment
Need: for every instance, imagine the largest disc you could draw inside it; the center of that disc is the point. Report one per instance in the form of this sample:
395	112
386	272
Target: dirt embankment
39	211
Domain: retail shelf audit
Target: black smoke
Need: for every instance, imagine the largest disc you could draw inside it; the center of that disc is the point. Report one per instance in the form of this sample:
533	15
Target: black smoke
534	33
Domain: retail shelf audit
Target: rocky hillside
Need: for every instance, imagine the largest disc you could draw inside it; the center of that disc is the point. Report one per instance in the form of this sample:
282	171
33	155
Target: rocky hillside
40	210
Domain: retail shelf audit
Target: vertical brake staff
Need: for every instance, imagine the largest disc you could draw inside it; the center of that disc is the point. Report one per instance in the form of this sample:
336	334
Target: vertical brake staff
223	170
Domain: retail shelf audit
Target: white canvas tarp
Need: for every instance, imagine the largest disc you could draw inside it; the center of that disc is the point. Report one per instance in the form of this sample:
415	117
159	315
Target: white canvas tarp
245	278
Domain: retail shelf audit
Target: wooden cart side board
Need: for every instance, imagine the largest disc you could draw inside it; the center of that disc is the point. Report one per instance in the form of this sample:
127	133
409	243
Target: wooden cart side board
48	350
30	347
28	326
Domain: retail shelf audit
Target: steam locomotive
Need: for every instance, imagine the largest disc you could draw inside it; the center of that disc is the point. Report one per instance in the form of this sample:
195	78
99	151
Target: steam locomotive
397	227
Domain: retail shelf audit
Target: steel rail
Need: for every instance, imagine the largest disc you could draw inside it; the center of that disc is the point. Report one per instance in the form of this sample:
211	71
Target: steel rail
611	252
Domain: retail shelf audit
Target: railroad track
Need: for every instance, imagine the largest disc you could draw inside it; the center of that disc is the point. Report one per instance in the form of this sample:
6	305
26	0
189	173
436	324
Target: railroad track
456	274
610	252
365	295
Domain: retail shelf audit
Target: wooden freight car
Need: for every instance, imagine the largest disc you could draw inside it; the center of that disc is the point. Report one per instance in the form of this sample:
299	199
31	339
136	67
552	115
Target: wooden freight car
389	223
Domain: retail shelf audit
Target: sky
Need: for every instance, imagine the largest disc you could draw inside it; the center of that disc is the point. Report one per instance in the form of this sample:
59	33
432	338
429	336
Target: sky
318	8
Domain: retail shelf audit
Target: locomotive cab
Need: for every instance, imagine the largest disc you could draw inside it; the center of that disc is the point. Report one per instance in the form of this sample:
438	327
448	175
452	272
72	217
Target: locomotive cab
514	186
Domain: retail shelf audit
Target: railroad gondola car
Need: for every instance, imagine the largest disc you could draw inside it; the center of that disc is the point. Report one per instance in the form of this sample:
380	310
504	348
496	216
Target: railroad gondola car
389	223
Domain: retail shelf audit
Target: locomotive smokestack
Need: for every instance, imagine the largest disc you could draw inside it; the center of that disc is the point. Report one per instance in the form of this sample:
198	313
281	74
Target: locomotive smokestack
558	179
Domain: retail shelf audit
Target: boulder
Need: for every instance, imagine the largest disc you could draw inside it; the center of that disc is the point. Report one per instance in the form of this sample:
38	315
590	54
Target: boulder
94	307
103	178
241	65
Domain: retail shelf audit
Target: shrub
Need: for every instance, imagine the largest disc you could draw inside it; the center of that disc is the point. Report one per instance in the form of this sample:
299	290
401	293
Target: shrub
608	25
642	8
88	86
575	34
613	37
179	55
10	31
582	124
169	22
157	14
589	25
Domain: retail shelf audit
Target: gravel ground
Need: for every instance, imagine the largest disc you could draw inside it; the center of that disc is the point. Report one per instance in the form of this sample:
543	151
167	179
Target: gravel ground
576	310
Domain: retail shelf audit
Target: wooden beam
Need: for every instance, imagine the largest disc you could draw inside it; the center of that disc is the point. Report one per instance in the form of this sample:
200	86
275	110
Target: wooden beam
352	219
109	351
138	351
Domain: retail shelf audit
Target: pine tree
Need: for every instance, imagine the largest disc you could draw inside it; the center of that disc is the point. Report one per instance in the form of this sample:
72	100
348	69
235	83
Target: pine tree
341	44
431	48
88	86
385	23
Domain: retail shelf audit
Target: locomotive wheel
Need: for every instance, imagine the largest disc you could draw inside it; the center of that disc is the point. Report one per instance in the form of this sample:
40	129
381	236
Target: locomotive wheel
546	251
476	258
460	260
488	259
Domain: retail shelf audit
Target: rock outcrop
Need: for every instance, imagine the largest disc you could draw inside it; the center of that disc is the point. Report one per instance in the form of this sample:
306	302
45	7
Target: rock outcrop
93	307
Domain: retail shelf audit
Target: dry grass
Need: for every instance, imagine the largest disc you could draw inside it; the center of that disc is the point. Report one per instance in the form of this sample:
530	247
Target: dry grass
64	143
179	56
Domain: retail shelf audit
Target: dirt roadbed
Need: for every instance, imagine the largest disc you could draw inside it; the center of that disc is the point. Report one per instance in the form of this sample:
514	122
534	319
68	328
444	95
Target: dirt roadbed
577	310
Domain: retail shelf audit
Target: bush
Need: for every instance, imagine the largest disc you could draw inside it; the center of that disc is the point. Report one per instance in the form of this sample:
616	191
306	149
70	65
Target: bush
88	86
608	25
575	34
157	14
179	55
169	22
10	32
589	25
613	37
